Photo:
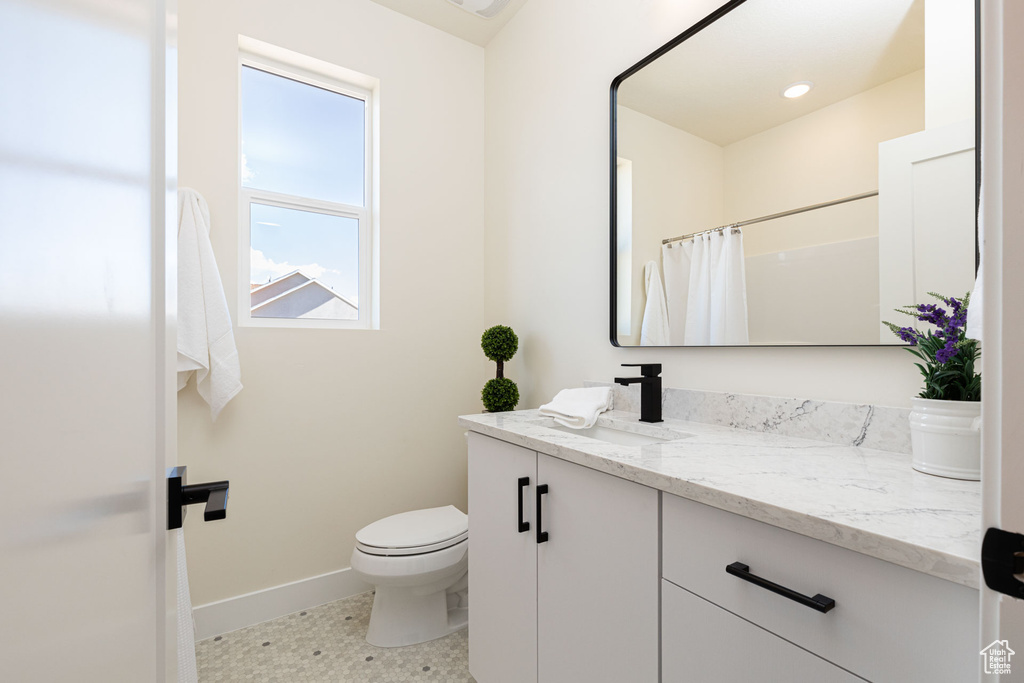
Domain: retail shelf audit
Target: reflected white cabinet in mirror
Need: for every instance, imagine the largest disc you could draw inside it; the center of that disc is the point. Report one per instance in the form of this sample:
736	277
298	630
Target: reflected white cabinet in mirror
743	216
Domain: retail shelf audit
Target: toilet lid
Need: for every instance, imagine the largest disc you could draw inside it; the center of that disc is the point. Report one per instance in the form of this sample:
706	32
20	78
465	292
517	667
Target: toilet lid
418	529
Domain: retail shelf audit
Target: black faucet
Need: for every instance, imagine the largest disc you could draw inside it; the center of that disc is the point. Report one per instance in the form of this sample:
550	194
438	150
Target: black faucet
650	389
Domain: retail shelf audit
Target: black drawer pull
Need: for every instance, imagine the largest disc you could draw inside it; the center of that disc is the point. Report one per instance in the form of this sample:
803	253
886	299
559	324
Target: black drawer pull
542	536
818	602
523	483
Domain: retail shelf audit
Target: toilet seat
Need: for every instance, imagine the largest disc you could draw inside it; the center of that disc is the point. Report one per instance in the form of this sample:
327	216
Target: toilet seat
414	533
412	550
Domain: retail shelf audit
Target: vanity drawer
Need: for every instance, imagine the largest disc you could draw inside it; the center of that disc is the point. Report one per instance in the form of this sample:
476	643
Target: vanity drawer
703	642
889	623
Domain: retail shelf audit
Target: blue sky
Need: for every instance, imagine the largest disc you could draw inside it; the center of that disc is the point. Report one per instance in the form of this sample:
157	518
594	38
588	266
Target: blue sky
302	140
320	245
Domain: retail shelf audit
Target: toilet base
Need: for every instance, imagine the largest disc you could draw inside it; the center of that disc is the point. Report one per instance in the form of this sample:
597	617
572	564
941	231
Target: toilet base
401	616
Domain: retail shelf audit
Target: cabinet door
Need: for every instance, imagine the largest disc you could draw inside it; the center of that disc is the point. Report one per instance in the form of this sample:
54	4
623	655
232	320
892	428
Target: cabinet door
502	563
703	642
597	577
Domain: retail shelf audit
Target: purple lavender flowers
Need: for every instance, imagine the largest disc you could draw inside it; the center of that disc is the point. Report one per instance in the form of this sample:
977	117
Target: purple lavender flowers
948	355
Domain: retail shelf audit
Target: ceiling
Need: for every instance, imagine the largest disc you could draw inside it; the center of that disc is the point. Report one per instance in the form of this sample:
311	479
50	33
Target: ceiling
724	83
458	22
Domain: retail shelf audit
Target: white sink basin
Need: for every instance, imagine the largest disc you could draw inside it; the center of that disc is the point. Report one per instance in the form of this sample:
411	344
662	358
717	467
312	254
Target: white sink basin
616	436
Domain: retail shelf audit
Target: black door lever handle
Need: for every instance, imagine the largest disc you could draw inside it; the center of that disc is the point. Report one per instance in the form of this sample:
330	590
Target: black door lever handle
214	494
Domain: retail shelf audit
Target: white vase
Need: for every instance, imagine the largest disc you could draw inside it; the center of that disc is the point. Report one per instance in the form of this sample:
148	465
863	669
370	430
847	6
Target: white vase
946	437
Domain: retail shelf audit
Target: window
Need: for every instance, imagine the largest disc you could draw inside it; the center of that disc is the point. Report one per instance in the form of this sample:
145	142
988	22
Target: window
307	234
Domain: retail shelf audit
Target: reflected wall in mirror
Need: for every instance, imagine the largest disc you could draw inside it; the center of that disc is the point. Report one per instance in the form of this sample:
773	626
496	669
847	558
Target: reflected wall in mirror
743	216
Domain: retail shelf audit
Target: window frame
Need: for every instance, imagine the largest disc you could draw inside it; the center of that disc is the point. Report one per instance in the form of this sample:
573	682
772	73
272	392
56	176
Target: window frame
364	215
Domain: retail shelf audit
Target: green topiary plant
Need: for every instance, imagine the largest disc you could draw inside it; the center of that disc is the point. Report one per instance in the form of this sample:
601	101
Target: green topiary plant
500	394
500	343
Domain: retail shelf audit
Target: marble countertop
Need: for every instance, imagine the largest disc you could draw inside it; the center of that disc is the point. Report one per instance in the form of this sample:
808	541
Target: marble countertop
864	499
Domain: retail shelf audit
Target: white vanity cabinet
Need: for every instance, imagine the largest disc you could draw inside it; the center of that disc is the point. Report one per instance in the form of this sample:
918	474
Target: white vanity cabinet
703	642
580	604
889	624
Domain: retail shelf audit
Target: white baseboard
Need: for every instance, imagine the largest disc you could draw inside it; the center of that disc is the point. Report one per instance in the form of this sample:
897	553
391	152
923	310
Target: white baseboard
215	618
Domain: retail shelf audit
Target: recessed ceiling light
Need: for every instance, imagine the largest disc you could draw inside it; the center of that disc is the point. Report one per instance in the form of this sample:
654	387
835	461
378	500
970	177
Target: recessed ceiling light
794	90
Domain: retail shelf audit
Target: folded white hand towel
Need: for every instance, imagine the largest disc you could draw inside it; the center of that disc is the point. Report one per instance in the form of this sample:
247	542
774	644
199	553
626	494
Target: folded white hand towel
206	342
578	408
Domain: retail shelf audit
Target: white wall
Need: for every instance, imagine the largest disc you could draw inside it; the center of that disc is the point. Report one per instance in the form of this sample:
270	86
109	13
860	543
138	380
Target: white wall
829	154
677	189
548	75
949	61
335	429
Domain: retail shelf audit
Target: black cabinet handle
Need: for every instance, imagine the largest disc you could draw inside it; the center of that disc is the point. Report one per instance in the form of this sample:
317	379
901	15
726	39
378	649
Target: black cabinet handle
523	483
542	536
818	602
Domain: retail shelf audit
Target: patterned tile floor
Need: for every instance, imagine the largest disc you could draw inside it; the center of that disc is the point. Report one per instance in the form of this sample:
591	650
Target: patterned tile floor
327	644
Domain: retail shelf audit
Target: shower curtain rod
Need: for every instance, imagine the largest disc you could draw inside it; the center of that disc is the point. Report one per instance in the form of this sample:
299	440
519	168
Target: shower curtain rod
851	198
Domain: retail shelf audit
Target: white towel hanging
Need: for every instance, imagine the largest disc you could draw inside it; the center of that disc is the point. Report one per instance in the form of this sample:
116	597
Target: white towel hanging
654	331
206	342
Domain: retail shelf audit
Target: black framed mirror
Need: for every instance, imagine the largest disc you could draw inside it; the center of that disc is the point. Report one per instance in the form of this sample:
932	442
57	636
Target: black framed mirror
786	172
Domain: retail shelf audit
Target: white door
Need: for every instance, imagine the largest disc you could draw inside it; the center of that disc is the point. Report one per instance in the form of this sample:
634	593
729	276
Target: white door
597	577
84	330
502	562
926	206
1002	617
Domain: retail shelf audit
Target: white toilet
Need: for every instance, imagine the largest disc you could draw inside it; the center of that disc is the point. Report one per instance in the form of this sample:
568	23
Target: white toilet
418	562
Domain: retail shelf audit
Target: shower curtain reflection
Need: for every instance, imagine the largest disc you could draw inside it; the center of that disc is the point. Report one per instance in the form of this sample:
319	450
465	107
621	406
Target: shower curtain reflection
706	289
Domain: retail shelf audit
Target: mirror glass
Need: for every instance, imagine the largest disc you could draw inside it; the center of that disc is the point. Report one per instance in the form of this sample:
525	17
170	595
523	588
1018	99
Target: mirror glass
747	213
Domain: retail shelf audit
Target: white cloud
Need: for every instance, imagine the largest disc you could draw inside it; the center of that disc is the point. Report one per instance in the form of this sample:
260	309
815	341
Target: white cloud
263	269
247	173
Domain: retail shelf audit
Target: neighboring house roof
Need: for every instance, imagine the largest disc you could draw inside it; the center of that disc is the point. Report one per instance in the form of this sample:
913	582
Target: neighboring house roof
296	295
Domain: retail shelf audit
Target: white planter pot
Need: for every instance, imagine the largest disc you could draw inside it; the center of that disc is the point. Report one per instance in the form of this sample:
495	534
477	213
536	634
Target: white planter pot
946	437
